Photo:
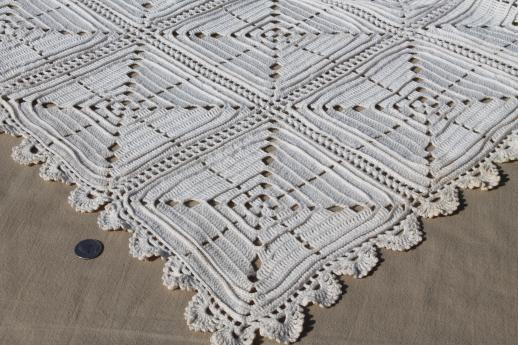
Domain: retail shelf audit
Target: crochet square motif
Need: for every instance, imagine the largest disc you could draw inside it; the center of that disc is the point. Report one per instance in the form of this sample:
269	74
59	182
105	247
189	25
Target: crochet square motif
262	147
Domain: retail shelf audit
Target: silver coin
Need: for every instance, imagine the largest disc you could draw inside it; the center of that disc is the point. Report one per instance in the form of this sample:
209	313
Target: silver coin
89	249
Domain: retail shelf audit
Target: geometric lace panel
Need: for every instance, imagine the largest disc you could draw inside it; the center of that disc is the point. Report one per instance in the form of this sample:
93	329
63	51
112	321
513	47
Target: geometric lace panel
262	147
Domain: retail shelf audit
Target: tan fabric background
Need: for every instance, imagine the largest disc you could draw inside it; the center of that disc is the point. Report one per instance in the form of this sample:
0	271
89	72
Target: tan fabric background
458	287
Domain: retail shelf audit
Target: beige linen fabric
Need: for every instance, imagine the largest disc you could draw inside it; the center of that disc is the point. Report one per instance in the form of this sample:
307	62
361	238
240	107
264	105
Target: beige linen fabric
460	286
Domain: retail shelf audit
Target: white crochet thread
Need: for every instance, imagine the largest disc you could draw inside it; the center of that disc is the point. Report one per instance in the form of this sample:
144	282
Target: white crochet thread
262	147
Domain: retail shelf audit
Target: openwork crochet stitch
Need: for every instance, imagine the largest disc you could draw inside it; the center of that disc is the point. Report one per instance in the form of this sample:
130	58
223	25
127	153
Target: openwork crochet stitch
262	147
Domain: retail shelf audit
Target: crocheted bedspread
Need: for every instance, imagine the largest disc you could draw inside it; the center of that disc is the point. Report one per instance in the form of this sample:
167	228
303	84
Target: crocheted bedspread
262	148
